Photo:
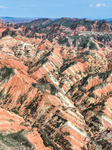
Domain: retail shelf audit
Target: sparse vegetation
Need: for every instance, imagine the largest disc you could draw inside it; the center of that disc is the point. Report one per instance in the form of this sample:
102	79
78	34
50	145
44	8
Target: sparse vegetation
47	141
6	73
62	40
16	140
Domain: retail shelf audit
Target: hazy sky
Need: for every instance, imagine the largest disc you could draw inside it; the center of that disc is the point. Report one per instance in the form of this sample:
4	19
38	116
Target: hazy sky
57	8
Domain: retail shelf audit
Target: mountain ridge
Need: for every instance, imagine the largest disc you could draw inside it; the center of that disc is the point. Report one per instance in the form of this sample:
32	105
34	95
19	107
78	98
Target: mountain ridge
28	19
56	84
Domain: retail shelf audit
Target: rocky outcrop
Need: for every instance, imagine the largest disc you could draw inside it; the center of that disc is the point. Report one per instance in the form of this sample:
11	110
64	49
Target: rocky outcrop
8	31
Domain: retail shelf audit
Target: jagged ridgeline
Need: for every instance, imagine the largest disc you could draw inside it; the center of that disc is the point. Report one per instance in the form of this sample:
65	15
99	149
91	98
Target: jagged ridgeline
56	85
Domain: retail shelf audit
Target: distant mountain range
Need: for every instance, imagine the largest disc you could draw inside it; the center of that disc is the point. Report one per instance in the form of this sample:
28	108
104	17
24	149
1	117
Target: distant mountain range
109	20
29	19
16	19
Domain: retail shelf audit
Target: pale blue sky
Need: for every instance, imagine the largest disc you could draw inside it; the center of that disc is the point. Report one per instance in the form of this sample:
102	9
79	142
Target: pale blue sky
57	8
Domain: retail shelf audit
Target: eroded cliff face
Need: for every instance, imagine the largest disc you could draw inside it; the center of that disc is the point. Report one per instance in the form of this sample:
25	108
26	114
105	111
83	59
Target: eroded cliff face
62	93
